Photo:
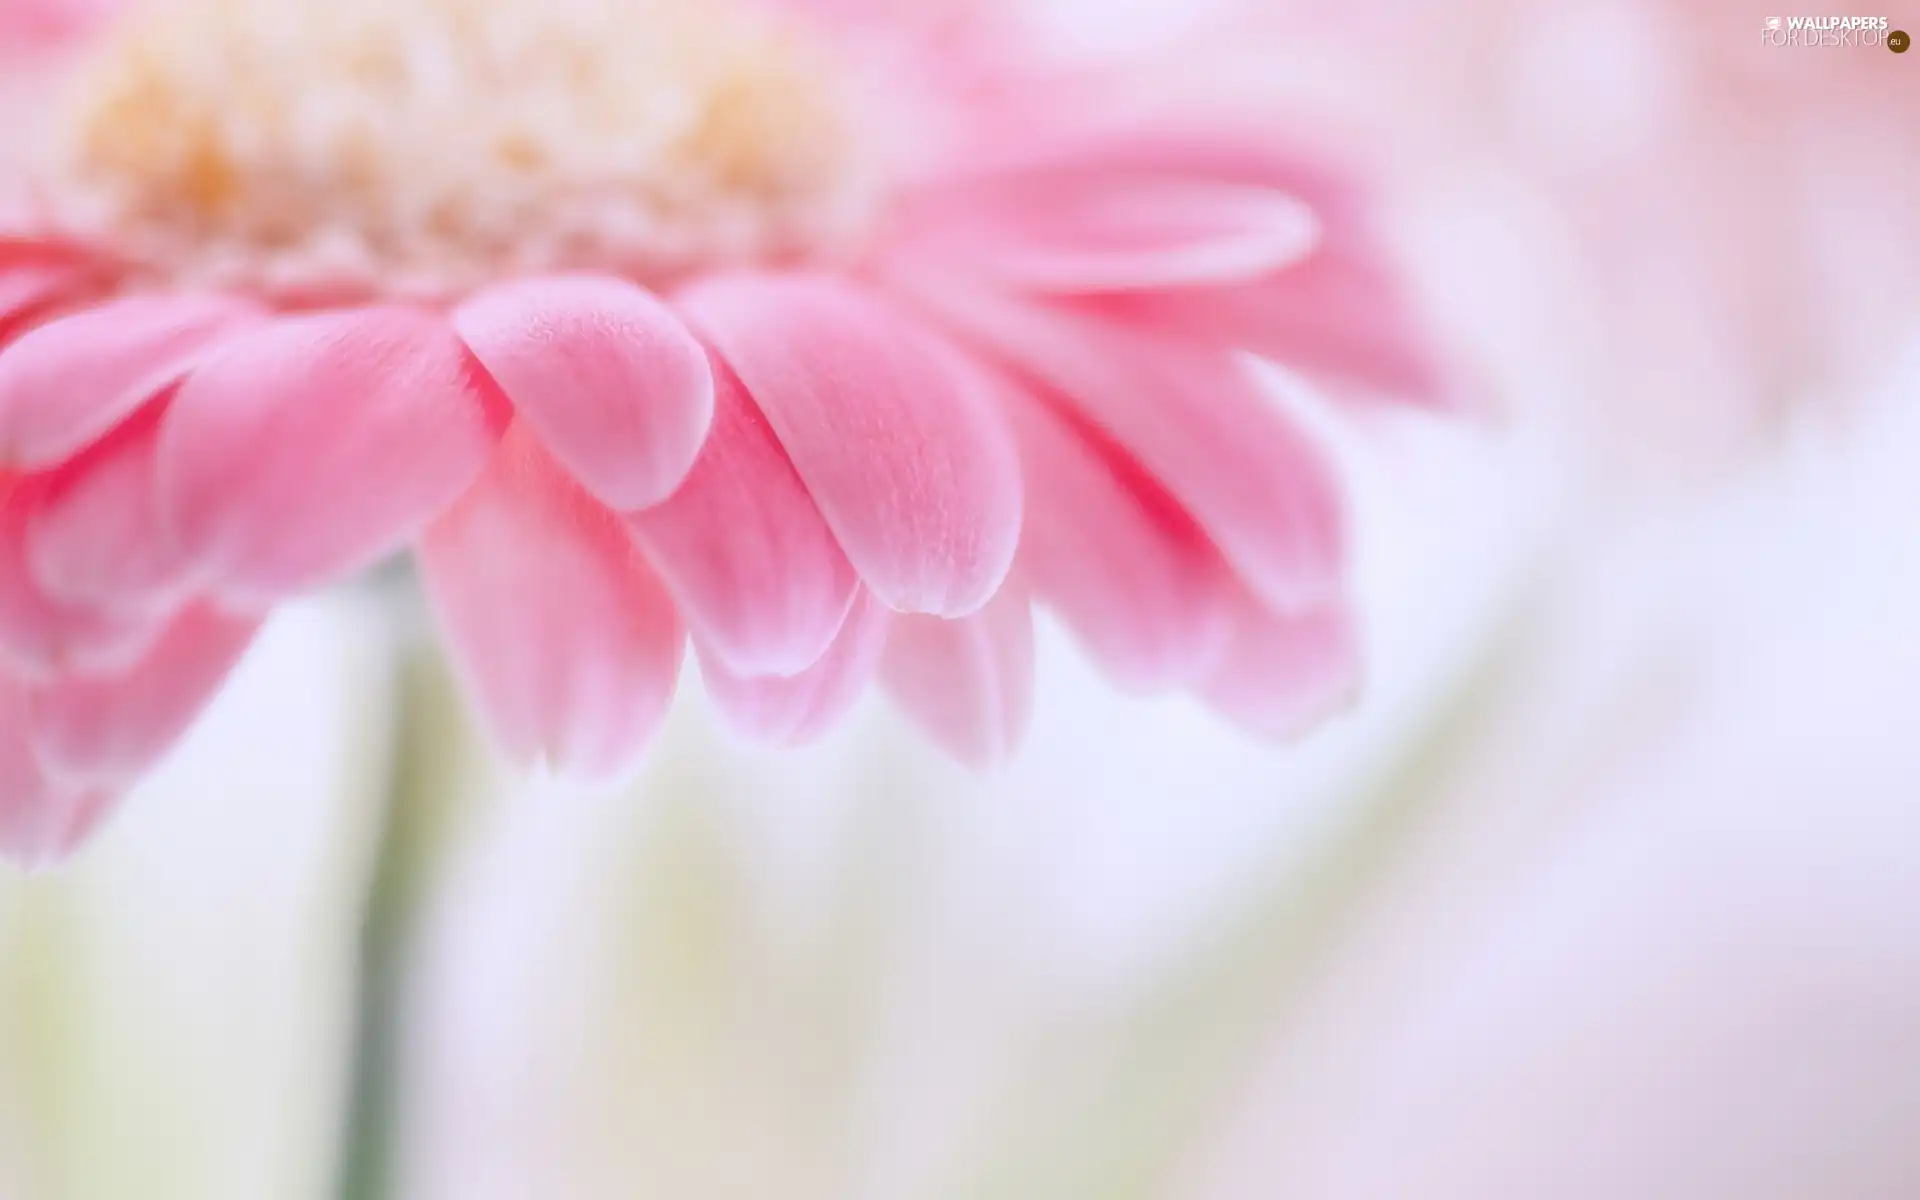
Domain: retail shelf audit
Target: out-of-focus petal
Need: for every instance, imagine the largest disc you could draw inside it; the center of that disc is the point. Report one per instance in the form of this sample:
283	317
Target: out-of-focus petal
570	642
28	25
41	819
1194	418
1098	231
1119	559
107	730
763	584
910	465
1232	153
97	538
605	373
314	447
40	636
793	710
1343	323
66	383
967	682
27	286
1281	674
1338	313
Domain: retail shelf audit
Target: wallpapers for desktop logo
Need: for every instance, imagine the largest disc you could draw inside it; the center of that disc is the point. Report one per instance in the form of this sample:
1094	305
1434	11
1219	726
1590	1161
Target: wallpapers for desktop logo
1833	32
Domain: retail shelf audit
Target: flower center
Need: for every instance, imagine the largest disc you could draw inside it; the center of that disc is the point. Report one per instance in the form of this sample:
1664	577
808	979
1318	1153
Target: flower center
426	146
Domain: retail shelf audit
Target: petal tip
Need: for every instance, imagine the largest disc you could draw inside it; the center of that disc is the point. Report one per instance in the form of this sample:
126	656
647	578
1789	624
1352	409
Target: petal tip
48	833
618	389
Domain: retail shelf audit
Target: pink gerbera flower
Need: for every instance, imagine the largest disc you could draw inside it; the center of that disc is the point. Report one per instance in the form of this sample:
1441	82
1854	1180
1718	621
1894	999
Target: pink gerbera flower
766	326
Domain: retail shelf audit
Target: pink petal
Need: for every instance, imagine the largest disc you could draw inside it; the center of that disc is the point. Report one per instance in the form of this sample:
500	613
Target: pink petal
68	382
1251	157
1122	563
968	682
96	536
41	637
1338	314
26	287
1282	675
1103	231
31	26
1194	418
913	470
757	572
41	819
788	712
569	641
30	283
1341	322
315	446
607	376
108	730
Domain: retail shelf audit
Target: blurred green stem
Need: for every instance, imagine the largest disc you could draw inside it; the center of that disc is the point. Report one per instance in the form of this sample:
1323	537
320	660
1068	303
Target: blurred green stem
427	739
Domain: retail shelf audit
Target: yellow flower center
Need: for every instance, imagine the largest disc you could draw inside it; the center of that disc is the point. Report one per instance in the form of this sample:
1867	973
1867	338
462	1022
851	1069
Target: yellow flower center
426	146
